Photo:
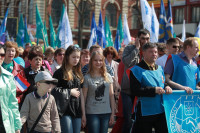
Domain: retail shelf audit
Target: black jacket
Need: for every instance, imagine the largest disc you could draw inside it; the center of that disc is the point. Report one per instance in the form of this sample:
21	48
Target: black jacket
74	106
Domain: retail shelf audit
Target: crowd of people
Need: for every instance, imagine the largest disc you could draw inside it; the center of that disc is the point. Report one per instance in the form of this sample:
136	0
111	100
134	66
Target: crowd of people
76	89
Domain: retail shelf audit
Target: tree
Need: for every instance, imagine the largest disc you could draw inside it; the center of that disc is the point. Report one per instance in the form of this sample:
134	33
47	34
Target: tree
81	9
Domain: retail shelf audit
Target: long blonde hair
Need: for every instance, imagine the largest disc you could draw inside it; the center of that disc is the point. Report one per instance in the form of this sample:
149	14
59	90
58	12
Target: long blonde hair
103	70
67	75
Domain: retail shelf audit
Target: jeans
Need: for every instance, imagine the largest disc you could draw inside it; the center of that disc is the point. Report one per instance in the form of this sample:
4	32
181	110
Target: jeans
98	123
70	125
127	104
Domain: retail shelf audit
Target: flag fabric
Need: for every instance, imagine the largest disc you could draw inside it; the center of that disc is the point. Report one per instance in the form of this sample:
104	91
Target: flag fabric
119	35
26	36
31	37
12	39
65	34
58	42
7	36
182	111
127	36
93	35
101	39
197	34
169	25
39	25
146	14
20	34
154	26
45	36
162	23
52	33
3	24
21	82
108	34
3	38
183	32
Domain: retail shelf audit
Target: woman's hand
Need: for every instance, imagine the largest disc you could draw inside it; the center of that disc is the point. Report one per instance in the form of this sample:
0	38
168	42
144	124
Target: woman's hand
112	119
75	92
83	121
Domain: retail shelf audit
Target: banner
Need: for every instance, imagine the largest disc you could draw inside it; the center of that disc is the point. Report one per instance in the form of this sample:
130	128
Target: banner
182	111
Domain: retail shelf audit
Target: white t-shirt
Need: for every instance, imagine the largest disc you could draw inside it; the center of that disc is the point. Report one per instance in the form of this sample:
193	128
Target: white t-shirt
162	60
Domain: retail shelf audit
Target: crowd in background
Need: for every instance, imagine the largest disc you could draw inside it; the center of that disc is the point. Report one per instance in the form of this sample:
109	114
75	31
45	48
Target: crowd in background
99	92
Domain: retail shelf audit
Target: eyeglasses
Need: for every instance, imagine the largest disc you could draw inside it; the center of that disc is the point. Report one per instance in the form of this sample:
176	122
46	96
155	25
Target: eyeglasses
49	82
60	54
2	55
176	47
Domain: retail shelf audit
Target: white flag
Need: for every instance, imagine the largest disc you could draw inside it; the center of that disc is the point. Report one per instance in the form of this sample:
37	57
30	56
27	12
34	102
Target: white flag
127	36
65	34
146	14
154	32
183	32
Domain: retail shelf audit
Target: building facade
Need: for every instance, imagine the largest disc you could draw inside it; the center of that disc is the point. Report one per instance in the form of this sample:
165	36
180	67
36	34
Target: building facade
188	10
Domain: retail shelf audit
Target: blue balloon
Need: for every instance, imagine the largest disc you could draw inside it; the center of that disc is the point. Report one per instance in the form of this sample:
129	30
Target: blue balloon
20	61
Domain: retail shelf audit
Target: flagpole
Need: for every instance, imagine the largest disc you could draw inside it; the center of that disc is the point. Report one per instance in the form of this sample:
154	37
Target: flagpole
37	41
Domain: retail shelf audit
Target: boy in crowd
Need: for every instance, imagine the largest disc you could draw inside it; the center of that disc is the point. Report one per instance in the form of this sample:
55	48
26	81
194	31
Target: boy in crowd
34	103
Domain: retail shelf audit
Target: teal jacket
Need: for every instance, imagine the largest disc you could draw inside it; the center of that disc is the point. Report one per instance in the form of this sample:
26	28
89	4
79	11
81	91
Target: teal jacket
9	103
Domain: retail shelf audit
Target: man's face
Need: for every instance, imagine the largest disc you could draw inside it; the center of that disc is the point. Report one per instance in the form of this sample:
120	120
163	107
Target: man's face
173	48
194	49
144	39
150	55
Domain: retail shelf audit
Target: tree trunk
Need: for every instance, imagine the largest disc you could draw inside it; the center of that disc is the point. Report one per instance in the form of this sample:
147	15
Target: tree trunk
80	31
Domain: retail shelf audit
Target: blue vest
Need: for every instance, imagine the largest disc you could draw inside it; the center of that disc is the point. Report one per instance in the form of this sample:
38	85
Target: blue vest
149	78
184	73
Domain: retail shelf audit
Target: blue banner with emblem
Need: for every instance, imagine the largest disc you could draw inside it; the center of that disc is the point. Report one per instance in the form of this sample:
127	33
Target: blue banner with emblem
182	111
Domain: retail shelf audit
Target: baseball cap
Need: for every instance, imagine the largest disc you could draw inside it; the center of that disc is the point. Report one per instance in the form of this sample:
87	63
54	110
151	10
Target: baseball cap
44	75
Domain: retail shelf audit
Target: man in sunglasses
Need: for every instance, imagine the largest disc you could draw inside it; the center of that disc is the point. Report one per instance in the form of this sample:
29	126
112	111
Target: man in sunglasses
181	70
58	59
172	47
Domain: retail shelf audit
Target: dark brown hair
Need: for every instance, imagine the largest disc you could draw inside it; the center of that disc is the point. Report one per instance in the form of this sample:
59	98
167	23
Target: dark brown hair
65	65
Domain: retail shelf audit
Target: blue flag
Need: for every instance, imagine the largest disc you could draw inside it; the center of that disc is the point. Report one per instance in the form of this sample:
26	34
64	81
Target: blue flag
3	38
182	111
101	39
197	34
162	21
93	36
169	25
119	35
3	25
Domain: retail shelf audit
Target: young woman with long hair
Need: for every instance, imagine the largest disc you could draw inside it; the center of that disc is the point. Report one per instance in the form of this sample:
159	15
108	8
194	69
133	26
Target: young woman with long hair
99	96
70	77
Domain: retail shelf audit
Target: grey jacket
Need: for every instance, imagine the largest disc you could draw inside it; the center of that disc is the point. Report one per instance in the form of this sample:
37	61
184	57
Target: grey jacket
130	58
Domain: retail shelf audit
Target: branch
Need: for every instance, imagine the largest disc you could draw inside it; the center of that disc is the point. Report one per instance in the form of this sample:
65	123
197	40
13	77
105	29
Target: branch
76	7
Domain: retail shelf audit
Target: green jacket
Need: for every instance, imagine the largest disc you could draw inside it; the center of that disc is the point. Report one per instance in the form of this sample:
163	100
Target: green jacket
8	101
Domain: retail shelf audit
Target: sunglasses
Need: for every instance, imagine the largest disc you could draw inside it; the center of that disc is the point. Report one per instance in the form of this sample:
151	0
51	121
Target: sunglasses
49	82
76	48
176	47
2	55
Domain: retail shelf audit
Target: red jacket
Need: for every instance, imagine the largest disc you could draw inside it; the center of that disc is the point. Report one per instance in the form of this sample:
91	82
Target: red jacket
17	69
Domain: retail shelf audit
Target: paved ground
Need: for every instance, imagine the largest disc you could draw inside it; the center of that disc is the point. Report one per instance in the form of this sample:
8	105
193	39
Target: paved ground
109	130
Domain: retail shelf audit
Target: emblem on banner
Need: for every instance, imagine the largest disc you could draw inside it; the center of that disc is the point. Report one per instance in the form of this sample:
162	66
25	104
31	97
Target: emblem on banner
184	116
